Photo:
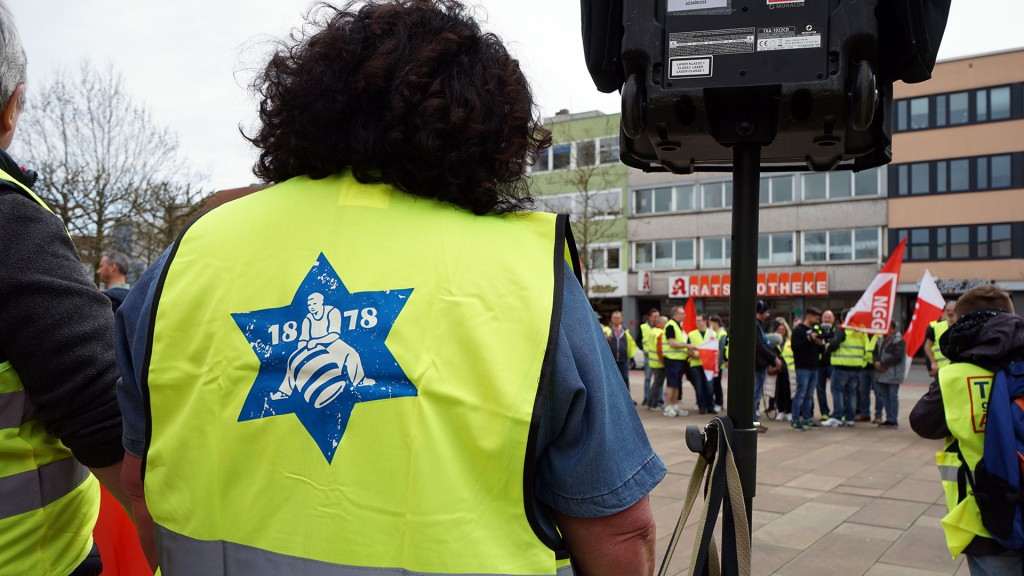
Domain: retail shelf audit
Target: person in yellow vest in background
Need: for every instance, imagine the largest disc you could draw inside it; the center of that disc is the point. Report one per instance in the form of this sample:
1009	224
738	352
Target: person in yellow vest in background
396	136
646	329
984	336
677	354
59	416
622	345
847	347
695	372
935	331
866	383
655	351
722	336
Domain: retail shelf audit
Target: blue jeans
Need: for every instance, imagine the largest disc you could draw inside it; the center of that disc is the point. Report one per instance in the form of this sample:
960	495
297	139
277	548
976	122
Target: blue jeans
648	372
701	387
624	370
803	404
995	565
823	376
865	382
759	377
844	393
889	395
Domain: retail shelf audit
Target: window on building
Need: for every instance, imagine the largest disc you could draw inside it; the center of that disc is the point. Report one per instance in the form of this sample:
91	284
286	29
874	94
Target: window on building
976	241
685	197
902	116
717	195
685	254
585	153
717	252
919	181
958	175
608	150
776	249
999	103
959	110
815	186
543	163
665	254
1000	171
919	113
561	156
841	245
643	201
867	183
840	184
941	116
663	199
776	190
605	257
601	204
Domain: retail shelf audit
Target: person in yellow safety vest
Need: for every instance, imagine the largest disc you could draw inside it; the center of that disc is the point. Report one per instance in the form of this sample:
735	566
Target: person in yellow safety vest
399	195
646	329
695	371
655	352
935	330
59	417
622	345
847	347
785	374
866	384
677	355
985	337
722	336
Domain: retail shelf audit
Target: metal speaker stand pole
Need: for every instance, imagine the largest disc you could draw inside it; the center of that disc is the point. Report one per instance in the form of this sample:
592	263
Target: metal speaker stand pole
742	307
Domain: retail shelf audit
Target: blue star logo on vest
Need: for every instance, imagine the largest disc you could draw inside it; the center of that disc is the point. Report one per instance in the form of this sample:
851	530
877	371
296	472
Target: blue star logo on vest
324	353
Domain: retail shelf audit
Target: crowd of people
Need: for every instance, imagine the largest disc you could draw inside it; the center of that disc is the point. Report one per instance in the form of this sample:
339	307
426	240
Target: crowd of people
815	358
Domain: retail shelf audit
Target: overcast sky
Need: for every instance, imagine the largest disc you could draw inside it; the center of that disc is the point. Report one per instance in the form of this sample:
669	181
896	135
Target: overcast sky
190	61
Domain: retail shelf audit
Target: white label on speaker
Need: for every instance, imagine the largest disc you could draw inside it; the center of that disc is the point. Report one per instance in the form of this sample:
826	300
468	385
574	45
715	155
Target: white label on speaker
690	67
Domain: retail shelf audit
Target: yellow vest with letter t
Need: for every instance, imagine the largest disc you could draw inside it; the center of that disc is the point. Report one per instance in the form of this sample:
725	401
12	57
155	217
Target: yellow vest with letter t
939	327
965	391
321	400
667	350
48	501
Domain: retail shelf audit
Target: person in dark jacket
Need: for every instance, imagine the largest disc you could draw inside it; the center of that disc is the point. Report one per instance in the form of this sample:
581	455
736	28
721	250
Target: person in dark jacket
890	357
764	357
807	348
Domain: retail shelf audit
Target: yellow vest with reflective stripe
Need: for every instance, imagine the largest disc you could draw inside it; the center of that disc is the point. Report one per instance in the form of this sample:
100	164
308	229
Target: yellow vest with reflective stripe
645	334
965	391
48	501
869	350
668	351
434	475
787	356
652	347
696	338
850	352
939	327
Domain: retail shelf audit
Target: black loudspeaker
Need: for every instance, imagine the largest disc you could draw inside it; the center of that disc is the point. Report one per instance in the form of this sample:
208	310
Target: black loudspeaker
809	81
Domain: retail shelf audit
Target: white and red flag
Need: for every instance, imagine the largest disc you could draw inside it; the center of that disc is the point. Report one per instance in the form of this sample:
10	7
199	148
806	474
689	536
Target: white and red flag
709	356
873	311
928	309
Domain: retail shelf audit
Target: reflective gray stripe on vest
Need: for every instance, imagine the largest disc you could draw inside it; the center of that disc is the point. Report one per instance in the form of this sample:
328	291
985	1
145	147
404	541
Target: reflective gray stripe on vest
15	409
33	489
948	473
184	556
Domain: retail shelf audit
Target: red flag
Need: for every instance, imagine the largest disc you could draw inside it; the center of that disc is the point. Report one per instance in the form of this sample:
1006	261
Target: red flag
118	541
873	311
690	322
928	309
709	356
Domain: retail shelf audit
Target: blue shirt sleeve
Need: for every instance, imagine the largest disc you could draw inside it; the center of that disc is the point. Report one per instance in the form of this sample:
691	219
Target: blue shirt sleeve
131	334
594	458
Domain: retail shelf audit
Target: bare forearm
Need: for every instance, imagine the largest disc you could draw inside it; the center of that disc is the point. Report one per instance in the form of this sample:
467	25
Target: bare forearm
622	543
110	477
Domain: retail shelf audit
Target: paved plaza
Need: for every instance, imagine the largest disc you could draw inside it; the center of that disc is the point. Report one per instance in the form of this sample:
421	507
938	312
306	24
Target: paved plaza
834	501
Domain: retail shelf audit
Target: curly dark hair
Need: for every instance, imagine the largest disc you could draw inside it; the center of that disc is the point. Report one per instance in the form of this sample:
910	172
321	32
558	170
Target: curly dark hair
406	92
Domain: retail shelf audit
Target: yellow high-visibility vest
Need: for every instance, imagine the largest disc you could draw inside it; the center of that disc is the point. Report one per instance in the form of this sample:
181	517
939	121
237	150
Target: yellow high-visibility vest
49	502
939	327
696	338
320	392
850	353
667	350
965	391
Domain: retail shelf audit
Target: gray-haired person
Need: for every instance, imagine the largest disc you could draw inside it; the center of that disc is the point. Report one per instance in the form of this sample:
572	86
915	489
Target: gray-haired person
59	417
113	272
